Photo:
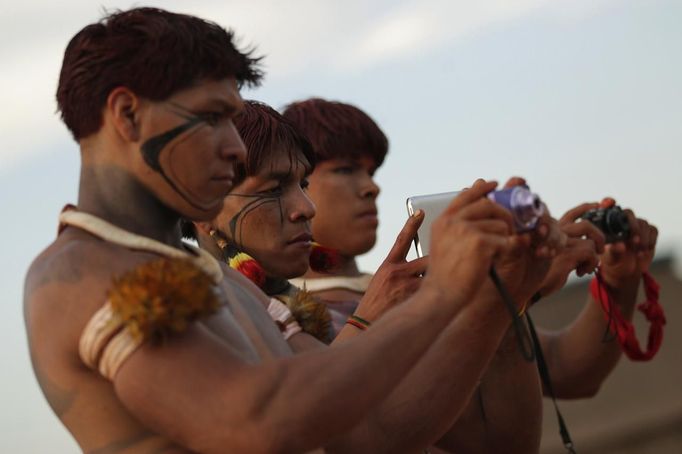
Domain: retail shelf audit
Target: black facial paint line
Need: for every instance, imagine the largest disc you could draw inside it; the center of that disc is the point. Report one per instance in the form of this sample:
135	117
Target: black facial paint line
258	201
278	195
152	148
245	211
244	215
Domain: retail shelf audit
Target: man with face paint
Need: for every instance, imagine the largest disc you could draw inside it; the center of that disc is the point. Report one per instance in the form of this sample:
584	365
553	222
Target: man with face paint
506	413
264	227
268	216
141	343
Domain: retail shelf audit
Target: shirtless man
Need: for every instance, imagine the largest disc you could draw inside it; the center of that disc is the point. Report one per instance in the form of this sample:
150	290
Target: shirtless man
506	415
264	227
349	148
150	96
267	216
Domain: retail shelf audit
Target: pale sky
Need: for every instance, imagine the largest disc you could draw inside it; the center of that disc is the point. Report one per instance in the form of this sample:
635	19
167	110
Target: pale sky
581	97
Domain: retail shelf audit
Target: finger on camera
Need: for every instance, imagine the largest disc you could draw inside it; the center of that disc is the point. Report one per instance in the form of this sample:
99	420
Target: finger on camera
486	209
494	226
548	233
515	181
607	202
653	237
634	226
543	252
574	213
417	267
644	232
403	241
499	244
477	191
587	230
615	250
588	257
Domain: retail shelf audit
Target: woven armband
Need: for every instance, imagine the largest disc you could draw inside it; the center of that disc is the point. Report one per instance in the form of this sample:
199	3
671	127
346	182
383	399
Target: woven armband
281	315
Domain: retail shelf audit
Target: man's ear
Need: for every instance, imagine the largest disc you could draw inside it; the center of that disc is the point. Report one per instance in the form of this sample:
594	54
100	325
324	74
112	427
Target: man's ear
123	109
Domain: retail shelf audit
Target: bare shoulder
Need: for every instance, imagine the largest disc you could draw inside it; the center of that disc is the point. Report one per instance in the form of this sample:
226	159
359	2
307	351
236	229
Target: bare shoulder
68	282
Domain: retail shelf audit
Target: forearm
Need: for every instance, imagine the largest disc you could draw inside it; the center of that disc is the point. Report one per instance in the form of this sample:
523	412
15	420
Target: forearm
357	377
438	388
224	401
581	356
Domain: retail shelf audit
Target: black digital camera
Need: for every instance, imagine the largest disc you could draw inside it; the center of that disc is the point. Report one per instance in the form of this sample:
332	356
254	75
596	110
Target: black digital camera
613	222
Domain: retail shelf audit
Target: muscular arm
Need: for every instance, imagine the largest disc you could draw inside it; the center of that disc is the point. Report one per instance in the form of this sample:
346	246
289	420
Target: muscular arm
579	358
437	389
287	405
205	393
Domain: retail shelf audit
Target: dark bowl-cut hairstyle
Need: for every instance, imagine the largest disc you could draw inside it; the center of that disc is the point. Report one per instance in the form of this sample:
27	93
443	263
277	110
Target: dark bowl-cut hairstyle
338	130
265	133
153	52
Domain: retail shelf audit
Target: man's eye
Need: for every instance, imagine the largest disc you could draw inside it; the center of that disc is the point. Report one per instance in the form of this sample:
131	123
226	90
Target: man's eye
304	184
344	170
272	191
212	118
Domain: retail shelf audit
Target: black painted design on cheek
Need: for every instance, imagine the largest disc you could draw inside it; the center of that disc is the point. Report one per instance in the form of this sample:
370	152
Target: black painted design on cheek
152	148
240	216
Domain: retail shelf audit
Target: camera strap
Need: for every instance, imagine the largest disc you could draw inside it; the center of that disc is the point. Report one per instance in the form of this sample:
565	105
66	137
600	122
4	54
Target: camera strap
623	329
547	382
524	341
531	350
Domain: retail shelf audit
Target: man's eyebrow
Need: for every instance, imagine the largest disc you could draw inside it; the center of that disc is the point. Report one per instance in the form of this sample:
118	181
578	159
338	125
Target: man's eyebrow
284	175
280	175
222	105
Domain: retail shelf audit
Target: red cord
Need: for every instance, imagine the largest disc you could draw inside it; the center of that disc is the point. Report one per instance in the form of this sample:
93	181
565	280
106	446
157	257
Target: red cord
624	330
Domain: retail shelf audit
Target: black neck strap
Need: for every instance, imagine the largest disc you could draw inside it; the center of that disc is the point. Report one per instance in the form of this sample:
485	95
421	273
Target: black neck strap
525	342
547	382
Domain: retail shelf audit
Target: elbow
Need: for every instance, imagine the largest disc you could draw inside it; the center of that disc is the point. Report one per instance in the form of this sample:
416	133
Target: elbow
587	392
577	391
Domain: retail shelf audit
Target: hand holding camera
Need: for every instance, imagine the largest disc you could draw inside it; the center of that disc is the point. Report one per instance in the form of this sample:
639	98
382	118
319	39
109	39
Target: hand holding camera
482	228
632	245
524	266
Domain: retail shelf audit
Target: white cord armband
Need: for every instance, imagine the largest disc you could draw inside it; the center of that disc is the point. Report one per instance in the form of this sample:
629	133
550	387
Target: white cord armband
281	315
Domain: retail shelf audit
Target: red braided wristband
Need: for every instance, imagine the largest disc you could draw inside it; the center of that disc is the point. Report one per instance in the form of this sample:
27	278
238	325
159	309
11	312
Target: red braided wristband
624	330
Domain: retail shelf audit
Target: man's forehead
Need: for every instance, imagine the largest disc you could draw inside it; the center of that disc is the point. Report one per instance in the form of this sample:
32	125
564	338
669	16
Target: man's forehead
221	94
364	160
286	165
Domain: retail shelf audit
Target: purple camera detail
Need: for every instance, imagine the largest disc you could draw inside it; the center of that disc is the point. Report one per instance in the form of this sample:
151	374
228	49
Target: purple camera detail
524	205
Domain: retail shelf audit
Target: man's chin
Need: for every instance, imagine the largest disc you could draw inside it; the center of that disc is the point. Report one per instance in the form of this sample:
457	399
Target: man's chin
201	212
362	247
295	270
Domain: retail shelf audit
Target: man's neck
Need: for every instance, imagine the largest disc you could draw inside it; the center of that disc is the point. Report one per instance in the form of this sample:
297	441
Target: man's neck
346	267
114	195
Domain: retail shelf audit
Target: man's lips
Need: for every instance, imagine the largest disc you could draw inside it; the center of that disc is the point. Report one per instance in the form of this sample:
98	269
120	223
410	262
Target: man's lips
371	213
224	177
302	238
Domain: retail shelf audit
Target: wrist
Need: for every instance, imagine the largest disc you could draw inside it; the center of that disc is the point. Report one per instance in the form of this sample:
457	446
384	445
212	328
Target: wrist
623	294
619	284
489	305
436	300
